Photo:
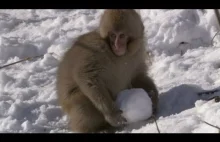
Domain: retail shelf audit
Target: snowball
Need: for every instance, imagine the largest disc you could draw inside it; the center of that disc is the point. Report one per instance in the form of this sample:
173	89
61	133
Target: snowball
135	104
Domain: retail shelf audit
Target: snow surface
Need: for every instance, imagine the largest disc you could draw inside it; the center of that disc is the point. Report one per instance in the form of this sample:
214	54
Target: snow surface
186	61
135	104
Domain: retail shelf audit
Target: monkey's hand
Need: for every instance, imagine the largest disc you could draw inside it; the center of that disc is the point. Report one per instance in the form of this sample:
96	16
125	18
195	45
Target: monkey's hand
116	119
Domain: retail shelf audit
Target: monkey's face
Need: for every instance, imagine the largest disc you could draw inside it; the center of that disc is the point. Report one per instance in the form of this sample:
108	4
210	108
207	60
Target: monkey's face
118	42
120	28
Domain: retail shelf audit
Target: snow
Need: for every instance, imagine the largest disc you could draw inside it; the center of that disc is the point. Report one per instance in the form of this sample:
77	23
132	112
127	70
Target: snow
186	61
135	104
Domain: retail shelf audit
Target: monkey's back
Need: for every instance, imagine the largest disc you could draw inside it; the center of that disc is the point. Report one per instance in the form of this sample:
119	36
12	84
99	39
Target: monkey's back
85	52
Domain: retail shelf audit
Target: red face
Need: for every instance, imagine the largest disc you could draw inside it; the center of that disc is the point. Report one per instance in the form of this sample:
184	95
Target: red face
118	42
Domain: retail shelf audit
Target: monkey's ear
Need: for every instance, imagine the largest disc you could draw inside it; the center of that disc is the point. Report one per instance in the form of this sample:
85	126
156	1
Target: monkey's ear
138	11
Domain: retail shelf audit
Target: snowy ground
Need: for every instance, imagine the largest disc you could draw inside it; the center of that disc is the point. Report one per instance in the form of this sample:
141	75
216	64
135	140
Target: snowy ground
28	100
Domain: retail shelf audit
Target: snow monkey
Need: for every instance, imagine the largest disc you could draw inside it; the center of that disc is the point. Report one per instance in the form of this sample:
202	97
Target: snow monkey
98	66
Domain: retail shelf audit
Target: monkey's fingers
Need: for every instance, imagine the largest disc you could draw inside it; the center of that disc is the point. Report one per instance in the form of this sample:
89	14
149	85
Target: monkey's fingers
112	121
116	120
122	121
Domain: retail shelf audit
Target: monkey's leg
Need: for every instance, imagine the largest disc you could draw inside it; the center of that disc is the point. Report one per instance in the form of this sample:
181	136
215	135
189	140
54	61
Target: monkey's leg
84	117
145	82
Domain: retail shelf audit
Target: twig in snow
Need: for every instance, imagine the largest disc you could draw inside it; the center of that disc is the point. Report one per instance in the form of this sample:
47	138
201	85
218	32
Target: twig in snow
217	16
208	92
28	58
218	20
216	98
156	123
211	125
214	37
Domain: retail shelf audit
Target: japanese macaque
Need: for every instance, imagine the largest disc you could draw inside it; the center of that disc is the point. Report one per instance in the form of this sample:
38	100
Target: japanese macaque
98	66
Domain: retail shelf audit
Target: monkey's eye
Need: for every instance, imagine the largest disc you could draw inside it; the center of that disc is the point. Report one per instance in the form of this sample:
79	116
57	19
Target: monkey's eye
112	36
122	36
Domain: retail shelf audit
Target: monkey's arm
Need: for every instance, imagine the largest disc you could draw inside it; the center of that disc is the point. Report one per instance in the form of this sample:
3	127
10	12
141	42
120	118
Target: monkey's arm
145	82
94	88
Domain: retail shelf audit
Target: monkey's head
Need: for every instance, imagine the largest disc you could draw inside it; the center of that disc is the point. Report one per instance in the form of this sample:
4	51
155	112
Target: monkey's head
120	28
